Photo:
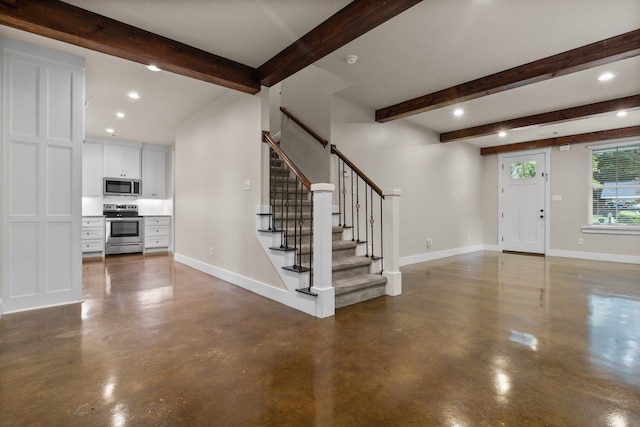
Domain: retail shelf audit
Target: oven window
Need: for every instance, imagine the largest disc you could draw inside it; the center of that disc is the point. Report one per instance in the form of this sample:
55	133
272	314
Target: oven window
125	228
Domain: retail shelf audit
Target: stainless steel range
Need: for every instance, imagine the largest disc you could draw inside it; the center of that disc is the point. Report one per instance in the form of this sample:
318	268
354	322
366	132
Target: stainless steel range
124	229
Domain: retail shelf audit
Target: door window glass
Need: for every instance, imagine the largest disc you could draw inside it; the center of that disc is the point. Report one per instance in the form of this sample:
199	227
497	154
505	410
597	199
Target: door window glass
525	170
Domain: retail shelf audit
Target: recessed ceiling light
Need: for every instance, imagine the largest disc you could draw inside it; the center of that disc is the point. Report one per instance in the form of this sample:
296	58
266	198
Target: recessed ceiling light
458	112
120	114
134	95
502	134
153	68
604	77
110	130
621	113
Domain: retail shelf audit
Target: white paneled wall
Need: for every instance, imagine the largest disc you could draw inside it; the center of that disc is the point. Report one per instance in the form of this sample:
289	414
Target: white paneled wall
41	149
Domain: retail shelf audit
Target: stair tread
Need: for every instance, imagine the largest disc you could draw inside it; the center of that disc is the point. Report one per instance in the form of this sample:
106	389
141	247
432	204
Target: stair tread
350	262
364	281
336	245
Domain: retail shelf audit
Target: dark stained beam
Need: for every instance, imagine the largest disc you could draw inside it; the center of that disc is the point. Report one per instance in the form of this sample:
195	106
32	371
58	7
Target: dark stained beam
10	3
603	135
599	53
354	20
70	24
581	112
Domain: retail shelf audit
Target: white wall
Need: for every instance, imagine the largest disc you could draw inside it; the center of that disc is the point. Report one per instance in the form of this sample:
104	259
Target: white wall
570	178
490	193
216	151
441	183
308	96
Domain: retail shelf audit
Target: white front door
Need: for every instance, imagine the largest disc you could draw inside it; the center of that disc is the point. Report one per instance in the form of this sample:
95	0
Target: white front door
523	213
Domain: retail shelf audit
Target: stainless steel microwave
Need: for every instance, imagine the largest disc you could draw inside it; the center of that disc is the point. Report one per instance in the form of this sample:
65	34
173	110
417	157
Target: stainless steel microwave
121	187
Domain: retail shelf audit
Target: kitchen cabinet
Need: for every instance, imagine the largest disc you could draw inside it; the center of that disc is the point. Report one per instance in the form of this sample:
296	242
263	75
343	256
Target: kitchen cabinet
93	236
157	233
154	174
122	161
92	169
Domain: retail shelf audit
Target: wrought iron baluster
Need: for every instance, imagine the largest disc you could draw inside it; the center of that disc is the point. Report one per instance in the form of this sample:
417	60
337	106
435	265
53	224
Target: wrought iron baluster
296	263
381	239
357	223
300	221
344	198
353	236
366	215
339	207
272	166
311	247
372	221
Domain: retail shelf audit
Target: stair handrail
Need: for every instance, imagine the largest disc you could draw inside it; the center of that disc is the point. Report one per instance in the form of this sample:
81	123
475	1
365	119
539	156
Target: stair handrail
365	178
304	127
275	147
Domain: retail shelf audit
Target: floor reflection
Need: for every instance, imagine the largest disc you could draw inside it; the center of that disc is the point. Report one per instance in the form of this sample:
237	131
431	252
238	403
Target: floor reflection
614	331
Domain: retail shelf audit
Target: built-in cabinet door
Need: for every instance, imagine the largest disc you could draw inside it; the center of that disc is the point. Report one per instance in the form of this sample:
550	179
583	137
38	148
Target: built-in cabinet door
154	174
42	129
92	169
121	161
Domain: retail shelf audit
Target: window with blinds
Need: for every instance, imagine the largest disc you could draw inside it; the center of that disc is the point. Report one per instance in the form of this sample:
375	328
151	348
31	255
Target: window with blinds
615	184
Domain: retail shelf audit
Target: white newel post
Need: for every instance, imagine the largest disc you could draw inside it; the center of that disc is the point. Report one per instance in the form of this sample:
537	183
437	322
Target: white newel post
322	228
391	232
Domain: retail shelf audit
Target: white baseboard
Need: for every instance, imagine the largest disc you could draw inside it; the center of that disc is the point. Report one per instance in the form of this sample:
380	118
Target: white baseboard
39	307
592	256
414	259
595	256
293	300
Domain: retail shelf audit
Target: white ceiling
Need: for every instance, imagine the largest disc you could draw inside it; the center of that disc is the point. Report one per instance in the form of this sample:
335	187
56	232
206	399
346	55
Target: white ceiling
432	46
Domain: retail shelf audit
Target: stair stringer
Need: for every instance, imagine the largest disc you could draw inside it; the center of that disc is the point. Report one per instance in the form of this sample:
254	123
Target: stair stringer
292	280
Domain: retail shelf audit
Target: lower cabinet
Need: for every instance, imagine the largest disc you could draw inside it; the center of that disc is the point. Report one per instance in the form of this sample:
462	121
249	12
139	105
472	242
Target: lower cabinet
157	233
93	236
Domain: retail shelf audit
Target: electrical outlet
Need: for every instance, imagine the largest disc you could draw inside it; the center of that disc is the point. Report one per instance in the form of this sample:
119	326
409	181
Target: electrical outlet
210	250
581	241
429	242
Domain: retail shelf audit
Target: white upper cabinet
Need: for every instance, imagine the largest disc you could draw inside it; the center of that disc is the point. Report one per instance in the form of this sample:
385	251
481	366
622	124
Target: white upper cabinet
92	169
154	174
121	161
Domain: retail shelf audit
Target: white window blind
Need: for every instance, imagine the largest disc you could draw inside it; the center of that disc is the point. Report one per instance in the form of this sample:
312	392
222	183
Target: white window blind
615	183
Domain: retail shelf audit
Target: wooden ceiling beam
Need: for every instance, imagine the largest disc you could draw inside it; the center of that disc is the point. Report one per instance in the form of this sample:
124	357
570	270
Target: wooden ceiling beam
599	53
574	113
71	24
354	20
603	135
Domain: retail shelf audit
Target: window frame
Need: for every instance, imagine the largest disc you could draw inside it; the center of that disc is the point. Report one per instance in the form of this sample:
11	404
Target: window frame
606	228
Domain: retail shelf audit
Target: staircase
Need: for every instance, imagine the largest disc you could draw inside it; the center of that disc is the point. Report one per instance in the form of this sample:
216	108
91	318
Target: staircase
355	278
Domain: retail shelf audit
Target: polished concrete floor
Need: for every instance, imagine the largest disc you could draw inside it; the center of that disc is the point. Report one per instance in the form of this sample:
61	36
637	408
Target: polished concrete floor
484	339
